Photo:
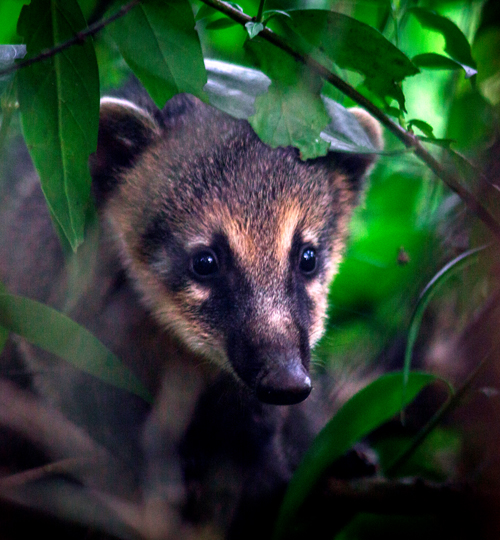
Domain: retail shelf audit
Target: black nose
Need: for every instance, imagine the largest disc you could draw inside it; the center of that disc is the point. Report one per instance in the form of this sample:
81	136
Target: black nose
284	384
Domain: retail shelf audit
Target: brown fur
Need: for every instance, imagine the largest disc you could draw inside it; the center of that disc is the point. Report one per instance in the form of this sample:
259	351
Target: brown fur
168	184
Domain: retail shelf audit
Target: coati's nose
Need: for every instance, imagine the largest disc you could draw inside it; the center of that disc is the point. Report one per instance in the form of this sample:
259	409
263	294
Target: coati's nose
284	384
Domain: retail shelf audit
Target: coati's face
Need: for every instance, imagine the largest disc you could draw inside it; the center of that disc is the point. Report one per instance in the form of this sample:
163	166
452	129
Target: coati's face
231	243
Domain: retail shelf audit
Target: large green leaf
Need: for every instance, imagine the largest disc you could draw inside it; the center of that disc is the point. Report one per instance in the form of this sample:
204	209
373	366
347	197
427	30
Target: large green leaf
54	332
368	409
354	45
158	41
59	101
292	112
456	45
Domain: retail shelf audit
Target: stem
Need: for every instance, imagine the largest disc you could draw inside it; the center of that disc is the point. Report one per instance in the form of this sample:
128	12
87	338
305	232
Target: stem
408	139
261	10
79	37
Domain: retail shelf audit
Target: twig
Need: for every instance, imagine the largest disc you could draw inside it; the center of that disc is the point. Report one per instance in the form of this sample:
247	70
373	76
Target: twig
407	138
79	37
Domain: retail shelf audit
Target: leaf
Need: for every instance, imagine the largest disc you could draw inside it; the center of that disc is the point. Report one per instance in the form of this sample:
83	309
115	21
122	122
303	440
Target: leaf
54	332
292	112
204	12
424	127
233	89
59	102
449	270
221	24
158	41
368	409
254	28
456	46
438	61
354	45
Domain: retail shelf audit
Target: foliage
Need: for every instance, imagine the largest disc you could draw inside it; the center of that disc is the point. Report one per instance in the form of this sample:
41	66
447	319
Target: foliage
425	69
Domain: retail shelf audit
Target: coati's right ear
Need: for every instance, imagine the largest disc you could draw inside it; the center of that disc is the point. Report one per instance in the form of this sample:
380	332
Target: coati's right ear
125	131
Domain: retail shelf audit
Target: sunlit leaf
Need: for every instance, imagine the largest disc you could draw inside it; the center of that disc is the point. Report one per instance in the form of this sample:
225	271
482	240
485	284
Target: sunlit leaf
54	332
456	46
159	43
292	112
368	409
59	102
354	45
438	61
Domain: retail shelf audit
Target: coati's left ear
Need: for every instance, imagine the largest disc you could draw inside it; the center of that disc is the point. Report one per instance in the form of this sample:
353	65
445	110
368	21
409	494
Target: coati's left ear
357	165
125	131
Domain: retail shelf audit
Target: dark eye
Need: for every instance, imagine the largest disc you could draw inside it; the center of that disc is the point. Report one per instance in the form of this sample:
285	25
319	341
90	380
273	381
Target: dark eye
308	260
205	264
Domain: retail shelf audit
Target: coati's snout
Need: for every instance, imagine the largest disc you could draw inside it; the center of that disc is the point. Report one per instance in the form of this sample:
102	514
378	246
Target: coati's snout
232	244
278	373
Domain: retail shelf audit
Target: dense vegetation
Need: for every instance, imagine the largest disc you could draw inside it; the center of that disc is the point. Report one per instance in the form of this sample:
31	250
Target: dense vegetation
417	287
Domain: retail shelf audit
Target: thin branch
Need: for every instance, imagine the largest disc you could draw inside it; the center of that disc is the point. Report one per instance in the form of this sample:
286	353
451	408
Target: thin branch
79	37
407	138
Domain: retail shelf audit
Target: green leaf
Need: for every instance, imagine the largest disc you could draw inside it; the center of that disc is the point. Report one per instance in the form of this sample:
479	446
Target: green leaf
368	409
254	28
438	61
158	41
449	270
221	24
292	112
424	127
354	45
456	46
54	332
59	102
204	12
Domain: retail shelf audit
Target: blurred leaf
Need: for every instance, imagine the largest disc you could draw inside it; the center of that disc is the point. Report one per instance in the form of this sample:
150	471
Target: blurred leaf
354	45
456	46
438	61
291	113
221	24
9	14
424	127
204	12
59	102
443	143
254	28
270	13
368	409
449	270
54	332
159	43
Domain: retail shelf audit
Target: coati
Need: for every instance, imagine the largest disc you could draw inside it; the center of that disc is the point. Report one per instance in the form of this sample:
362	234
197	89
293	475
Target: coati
210	281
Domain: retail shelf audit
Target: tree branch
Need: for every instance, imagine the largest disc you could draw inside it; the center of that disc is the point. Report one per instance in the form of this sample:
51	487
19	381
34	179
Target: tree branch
79	37
407	138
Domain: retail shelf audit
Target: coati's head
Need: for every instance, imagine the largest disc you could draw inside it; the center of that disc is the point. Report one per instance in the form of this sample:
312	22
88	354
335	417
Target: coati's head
232	244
